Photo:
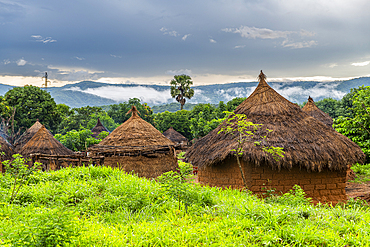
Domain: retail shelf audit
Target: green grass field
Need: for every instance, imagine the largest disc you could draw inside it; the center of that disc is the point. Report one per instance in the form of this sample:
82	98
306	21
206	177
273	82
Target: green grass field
98	206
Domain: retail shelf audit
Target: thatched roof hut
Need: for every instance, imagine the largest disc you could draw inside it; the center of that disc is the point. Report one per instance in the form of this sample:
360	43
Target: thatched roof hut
137	146
311	109
43	142
99	127
135	132
310	146
175	136
6	148
26	136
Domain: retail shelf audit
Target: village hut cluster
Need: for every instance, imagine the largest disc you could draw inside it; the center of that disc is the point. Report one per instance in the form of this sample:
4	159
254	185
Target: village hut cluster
316	156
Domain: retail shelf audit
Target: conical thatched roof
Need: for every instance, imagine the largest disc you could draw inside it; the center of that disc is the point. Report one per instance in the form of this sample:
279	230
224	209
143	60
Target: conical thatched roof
43	142
26	136
6	148
307	142
135	132
311	109
99	127
174	136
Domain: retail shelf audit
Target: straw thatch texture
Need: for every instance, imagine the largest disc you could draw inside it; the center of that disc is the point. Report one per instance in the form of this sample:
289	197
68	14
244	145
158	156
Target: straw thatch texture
175	136
311	109
99	127
26	136
43	142
6	148
307	142
137	146
135	132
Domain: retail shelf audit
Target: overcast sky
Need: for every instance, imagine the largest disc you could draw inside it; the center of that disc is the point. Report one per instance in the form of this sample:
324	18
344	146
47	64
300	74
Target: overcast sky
149	41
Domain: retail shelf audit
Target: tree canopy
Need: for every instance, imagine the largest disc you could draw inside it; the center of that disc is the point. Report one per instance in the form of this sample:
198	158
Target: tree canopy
180	88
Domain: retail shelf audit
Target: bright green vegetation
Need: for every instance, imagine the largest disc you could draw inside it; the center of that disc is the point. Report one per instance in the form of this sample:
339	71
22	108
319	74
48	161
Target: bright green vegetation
98	206
362	173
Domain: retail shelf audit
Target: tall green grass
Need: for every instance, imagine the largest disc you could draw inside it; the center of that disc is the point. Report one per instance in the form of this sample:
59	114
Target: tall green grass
99	206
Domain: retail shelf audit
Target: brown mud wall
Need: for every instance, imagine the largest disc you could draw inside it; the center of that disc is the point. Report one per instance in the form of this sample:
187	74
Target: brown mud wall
143	166
324	186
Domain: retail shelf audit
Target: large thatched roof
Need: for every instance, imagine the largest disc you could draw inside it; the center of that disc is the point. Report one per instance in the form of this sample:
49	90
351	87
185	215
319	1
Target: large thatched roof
174	136
6	148
135	132
26	136
311	109
99	127
307	142
43	142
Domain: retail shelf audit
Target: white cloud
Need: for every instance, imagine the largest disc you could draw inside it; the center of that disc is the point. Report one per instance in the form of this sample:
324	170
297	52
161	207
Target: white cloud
165	31
305	33
212	41
80	58
254	32
39	38
6	61
185	36
299	45
120	94
361	63
239	46
333	65
21	62
179	72
115	56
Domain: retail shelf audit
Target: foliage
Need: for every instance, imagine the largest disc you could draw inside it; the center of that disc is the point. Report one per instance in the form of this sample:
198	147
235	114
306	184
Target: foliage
362	172
20	172
118	111
105	119
33	103
100	206
180	88
178	120
79	140
296	196
78	118
243	131
357	128
171	107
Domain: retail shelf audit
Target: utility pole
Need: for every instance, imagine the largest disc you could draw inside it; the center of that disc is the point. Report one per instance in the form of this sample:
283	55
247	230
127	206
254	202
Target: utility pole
46	80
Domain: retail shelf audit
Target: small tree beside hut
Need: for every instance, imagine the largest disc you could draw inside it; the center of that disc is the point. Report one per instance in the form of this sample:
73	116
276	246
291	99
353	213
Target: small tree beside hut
316	156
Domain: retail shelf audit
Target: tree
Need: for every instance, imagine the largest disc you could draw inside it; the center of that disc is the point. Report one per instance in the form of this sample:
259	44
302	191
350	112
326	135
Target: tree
118	111
243	131
79	140
105	119
33	103
179	120
180	88
357	127
77	118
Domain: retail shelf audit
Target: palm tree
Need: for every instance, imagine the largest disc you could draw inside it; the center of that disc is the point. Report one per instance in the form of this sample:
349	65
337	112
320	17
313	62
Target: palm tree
180	88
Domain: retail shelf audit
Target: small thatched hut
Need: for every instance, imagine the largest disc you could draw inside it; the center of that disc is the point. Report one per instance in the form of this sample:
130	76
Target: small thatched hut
174	136
316	156
99	127
43	142
311	109
8	152
137	146
26	136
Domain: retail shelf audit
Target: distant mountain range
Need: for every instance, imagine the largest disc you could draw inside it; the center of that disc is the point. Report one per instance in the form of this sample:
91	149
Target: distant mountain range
97	94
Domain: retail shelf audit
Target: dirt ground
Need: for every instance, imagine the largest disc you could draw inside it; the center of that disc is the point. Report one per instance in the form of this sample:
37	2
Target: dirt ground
356	190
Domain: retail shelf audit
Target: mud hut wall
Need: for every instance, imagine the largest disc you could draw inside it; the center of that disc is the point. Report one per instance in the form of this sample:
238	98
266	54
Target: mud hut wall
144	166
324	186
